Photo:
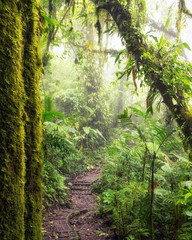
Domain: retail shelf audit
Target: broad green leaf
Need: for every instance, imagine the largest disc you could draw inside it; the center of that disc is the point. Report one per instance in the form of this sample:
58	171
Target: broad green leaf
188	224
188	195
89	109
118	55
144	4
185	45
161	192
47	19
188	213
69	129
187	184
167	22
86	130
180	201
162	41
155	38
50	116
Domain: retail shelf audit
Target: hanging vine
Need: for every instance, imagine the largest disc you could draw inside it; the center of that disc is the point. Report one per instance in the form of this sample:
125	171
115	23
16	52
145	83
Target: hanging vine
182	9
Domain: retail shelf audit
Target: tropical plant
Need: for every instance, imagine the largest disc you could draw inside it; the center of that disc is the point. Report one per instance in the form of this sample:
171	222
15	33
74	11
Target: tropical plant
66	149
146	157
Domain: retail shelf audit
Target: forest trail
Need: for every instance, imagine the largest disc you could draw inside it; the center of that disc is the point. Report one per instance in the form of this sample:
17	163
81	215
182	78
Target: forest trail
81	221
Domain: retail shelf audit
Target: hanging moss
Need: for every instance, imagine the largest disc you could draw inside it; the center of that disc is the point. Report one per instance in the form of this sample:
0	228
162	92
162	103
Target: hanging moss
179	19
11	124
32	69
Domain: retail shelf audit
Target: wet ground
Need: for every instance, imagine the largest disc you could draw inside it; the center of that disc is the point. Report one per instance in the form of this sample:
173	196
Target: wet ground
81	221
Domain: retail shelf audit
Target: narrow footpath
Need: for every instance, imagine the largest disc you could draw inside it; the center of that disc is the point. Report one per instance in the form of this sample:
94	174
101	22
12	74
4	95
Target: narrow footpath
81	221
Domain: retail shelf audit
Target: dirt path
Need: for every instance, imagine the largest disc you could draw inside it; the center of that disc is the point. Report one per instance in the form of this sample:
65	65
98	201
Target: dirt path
81	221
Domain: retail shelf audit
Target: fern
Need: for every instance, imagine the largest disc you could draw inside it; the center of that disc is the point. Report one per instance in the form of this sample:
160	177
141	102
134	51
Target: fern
52	115
57	137
149	131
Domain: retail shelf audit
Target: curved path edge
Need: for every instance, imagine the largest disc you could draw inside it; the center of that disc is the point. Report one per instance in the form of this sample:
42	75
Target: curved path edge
58	225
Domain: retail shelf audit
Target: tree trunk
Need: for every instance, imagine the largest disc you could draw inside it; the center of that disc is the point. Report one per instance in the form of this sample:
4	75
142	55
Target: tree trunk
32	70
153	69
46	56
20	121
11	123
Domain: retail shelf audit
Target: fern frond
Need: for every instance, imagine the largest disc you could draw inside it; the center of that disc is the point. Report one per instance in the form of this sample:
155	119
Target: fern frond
57	138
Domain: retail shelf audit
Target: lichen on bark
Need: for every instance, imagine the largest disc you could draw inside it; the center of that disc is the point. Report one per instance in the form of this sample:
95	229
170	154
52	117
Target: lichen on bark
12	165
32	70
20	121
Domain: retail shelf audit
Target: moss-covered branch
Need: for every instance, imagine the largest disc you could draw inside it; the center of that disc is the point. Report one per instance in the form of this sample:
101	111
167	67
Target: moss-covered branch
182	9
153	68
185	10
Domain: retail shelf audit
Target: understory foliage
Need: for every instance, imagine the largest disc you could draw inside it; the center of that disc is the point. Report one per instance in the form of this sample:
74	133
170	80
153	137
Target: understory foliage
65	152
145	185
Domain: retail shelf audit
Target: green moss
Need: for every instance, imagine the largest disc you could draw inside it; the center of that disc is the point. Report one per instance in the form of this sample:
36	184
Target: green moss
20	121
179	19
32	68
12	165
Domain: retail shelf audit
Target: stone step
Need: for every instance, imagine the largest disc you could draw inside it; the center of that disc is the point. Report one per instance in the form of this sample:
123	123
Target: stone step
80	188
82	202
81	183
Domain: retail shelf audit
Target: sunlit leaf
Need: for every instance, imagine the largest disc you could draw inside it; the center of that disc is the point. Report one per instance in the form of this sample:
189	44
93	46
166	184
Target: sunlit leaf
86	130
47	19
188	213
185	45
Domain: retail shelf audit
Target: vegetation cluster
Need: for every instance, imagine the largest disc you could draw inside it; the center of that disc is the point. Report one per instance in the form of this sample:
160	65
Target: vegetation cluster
134	122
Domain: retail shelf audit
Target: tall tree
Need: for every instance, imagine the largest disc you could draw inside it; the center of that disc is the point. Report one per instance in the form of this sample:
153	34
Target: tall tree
12	164
20	120
154	68
53	8
32	70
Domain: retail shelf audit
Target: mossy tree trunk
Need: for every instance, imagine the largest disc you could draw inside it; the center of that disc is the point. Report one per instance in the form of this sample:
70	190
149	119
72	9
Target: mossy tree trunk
11	124
153	69
46	55
32	70
20	121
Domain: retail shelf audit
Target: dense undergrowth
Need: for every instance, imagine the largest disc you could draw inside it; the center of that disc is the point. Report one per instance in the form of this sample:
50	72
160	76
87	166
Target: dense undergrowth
68	151
145	188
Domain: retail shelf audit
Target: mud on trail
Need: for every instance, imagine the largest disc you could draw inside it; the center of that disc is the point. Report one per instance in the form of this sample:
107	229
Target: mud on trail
81	221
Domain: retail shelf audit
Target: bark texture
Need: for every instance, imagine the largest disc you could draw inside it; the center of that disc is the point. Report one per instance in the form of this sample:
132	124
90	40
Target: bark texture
20	121
32	70
12	164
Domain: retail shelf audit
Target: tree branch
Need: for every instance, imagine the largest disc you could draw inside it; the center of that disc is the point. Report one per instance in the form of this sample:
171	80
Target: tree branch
185	9
153	69
106	51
